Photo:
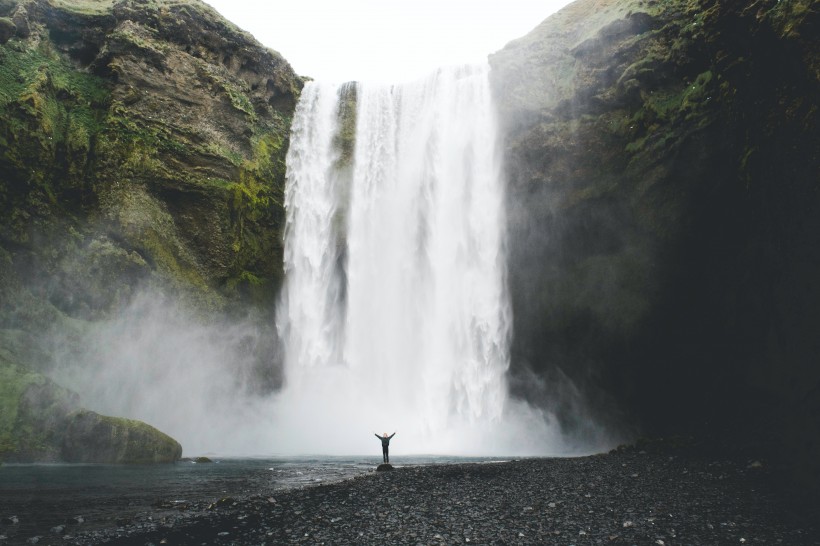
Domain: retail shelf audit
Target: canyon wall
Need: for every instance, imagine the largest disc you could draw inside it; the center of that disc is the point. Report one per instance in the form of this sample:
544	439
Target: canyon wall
664	215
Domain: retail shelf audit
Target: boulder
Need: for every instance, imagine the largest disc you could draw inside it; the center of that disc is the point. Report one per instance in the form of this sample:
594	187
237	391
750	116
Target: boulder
43	422
94	438
7	29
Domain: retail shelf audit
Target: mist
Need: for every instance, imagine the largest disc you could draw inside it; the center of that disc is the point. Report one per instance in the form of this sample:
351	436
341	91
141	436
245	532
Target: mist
200	382
157	361
408	330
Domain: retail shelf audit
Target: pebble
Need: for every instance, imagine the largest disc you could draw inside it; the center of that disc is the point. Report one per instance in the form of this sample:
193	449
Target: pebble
501	503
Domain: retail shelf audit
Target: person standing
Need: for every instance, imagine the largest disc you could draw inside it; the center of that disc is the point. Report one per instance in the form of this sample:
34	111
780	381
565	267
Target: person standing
385	445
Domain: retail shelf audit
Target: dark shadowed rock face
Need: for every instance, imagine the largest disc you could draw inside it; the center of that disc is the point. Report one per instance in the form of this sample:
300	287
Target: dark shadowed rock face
665	215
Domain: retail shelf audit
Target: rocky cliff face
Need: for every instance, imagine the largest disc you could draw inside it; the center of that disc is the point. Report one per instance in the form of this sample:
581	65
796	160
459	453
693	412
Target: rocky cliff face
665	215
154	133
142	145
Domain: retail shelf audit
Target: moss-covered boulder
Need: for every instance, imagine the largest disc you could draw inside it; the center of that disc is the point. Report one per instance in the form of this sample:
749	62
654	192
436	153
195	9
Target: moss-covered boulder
43	422
94	438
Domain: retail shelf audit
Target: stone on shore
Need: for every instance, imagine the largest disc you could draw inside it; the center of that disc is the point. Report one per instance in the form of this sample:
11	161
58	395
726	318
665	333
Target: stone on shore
662	491
384	467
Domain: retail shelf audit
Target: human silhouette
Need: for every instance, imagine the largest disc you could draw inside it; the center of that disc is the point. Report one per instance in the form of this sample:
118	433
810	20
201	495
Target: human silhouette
385	445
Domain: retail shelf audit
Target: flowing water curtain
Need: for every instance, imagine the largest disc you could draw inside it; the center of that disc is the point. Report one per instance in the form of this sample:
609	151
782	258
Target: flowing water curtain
309	314
425	265
422	332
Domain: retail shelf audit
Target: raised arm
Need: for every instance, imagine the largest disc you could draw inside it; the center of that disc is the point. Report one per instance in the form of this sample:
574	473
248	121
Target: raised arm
391	435
377	436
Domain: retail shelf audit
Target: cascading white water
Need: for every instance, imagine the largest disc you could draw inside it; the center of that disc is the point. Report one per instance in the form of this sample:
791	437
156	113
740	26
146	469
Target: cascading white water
398	318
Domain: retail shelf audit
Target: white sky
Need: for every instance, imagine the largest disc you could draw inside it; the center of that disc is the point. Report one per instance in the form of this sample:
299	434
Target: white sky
384	40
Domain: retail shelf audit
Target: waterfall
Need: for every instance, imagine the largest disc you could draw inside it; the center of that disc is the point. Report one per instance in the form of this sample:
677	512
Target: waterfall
394	311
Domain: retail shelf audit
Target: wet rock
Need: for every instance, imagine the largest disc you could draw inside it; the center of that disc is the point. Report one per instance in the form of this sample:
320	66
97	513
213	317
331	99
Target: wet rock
384	467
20	18
95	438
7	29
58	429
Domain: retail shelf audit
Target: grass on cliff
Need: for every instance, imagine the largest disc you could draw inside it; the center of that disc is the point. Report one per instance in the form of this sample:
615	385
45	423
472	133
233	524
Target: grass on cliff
43	98
104	7
23	67
85	7
664	111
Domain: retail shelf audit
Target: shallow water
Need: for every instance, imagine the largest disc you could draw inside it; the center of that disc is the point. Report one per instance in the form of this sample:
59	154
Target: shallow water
44	496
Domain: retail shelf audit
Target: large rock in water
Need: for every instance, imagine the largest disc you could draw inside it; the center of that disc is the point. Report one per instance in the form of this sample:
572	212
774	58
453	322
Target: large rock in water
665	216
94	438
43	422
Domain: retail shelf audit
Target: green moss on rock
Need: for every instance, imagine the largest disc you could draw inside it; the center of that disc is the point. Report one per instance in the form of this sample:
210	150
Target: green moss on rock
43	422
91	113
94	438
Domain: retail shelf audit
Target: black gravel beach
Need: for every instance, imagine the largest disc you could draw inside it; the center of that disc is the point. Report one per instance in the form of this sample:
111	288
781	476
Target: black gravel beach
662	493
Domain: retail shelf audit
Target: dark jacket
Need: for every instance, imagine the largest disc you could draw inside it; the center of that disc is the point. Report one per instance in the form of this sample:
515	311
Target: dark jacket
385	441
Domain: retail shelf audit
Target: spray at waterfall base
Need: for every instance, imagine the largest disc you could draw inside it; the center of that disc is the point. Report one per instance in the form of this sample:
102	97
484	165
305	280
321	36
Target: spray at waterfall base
395	313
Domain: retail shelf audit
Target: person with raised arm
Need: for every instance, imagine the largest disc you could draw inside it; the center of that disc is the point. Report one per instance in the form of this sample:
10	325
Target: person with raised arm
385	445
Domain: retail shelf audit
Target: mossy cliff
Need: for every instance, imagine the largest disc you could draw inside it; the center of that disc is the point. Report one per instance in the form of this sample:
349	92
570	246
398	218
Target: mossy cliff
664	210
142	144
154	134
